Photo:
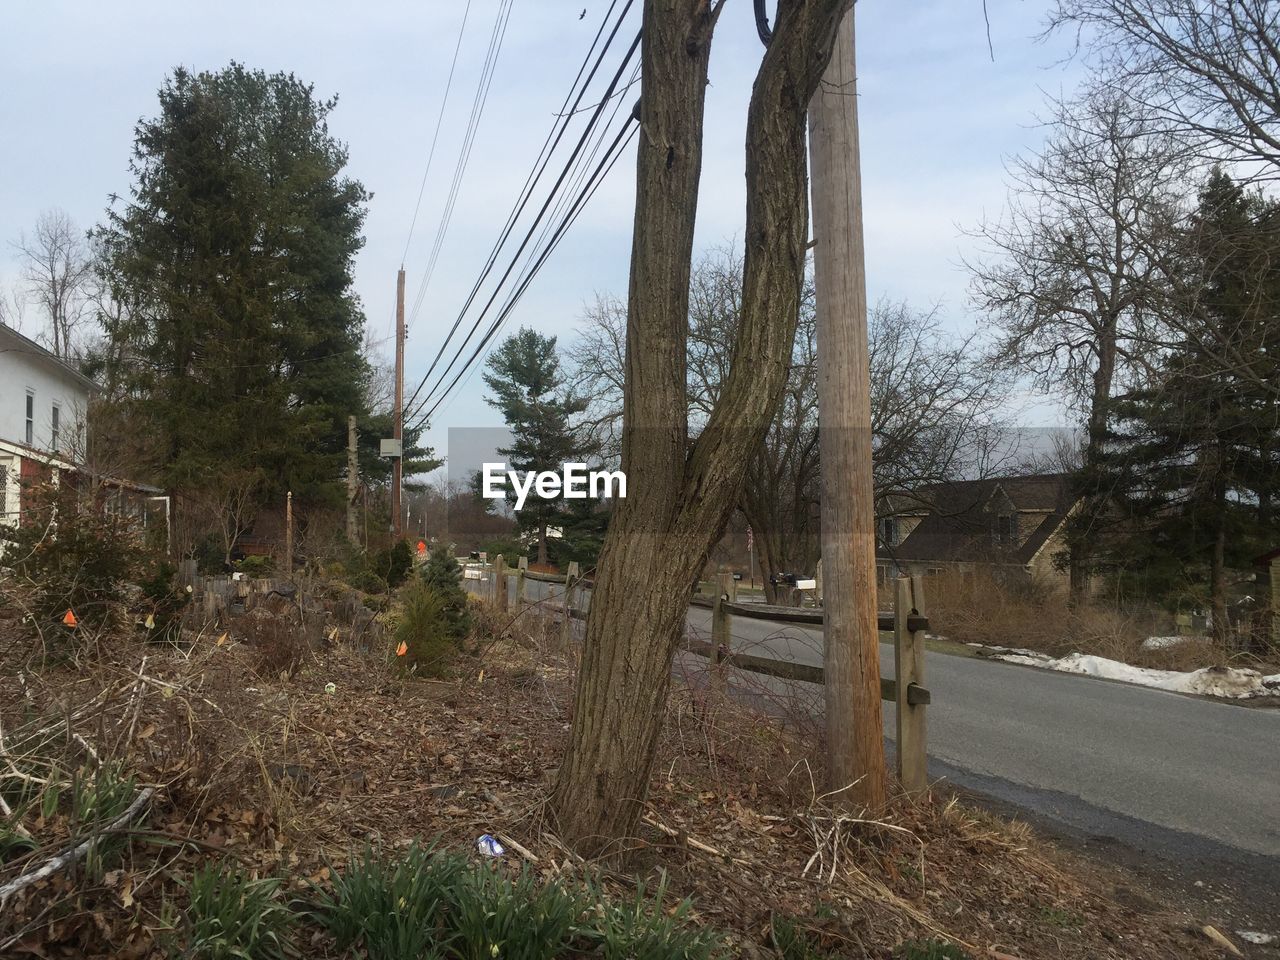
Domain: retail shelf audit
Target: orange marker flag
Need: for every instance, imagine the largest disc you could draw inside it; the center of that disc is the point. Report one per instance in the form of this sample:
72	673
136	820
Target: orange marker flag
69	618
402	649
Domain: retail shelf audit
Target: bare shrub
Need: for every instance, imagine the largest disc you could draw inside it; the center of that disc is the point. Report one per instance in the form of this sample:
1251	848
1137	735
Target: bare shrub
976	607
280	647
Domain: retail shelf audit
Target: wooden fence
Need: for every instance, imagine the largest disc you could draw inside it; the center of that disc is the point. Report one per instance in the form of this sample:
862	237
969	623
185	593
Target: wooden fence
908	622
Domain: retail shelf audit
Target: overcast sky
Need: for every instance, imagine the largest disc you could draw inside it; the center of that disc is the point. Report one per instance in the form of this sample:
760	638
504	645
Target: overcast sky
938	116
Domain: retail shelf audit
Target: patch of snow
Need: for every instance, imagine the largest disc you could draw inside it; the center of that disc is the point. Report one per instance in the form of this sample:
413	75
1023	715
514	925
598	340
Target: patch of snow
1232	682
1162	643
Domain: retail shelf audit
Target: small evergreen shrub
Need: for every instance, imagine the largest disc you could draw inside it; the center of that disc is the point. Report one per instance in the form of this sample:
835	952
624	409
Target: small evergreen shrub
443	575
259	566
424	632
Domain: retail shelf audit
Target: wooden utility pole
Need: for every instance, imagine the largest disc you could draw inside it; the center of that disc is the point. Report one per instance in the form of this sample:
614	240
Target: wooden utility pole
288	535
353	480
397	465
851	659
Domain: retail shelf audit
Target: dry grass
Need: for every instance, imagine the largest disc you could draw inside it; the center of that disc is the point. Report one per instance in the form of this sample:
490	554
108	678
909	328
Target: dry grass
275	774
975	608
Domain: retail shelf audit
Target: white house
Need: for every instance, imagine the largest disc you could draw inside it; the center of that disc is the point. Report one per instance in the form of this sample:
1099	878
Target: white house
42	414
43	404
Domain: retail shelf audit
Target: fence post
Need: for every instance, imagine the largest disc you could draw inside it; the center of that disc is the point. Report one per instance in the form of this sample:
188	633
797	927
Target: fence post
726	592
908	656
288	535
521	566
569	577
500	582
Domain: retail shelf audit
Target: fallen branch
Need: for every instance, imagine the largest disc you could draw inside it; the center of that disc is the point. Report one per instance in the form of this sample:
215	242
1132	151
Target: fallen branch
63	860
524	852
689	841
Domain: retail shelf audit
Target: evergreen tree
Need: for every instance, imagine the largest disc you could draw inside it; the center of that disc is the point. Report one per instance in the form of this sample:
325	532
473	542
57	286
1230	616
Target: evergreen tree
529	388
443	576
1194	453
235	251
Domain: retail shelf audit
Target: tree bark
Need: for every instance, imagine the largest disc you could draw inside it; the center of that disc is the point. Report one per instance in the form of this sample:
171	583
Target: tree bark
679	499
1084	541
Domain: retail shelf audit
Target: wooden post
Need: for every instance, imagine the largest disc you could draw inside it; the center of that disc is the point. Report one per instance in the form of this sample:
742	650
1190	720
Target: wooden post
397	465
521	566
817	576
500	582
353	480
288	535
851	639
569	578
908	659
726	593
1275	600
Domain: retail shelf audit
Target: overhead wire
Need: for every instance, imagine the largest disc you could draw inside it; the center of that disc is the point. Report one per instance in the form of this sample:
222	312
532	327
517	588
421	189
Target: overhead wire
478	103
614	152
552	141
435	136
529	235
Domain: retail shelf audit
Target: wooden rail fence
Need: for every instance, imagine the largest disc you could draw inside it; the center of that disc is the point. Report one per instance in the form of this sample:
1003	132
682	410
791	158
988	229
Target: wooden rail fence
908	623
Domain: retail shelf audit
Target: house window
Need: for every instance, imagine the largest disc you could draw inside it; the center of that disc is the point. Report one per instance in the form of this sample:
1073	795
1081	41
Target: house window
31	418
1004	528
889	531
54	418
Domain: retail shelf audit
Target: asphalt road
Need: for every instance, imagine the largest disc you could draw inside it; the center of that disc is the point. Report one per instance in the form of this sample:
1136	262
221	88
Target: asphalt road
1183	764
1181	776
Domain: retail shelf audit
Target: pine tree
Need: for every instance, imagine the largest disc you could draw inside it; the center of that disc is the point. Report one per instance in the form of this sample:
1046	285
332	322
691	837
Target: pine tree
235	251
443	576
1194	456
529	388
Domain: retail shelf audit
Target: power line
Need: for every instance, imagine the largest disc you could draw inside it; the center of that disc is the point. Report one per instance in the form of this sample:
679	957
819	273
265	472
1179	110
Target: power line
552	141
464	153
444	102
614	152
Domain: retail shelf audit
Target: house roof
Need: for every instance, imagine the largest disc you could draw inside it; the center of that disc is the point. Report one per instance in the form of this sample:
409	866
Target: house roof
958	525
11	341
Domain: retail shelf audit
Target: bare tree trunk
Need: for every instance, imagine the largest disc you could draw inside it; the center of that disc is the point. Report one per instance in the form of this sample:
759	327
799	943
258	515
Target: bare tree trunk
679	501
542	542
1218	561
1084	543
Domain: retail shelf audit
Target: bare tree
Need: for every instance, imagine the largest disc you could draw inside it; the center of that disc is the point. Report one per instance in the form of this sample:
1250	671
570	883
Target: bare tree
57	271
680	495
1074	273
1206	71
12	309
935	404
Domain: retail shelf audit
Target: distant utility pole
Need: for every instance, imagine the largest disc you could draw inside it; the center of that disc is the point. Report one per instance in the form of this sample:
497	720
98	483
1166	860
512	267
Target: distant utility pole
851	658
397	464
353	480
288	535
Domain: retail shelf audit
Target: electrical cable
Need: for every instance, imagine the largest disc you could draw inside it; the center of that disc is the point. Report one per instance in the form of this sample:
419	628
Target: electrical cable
614	152
549	146
464	153
436	134
533	227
